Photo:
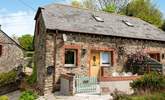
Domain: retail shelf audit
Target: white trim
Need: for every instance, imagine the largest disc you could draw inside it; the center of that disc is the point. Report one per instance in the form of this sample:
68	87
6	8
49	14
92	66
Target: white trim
110	62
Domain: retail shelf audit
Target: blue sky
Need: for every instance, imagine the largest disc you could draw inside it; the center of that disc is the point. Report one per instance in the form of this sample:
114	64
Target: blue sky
17	16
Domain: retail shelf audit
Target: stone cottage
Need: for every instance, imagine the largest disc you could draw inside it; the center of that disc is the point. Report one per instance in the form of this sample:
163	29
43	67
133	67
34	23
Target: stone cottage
84	42
11	53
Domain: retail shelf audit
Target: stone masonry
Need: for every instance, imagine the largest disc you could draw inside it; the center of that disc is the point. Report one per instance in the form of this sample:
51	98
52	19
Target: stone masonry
53	47
12	54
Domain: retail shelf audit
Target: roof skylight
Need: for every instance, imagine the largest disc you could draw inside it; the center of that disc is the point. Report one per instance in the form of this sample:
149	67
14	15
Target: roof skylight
128	23
97	18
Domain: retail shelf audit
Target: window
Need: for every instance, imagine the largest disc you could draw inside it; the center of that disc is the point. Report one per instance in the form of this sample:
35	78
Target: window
163	56
128	23
105	58
97	18
155	56
0	50
70	58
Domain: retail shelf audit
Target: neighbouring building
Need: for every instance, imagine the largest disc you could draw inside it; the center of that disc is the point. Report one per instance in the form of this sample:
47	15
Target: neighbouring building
11	53
84	42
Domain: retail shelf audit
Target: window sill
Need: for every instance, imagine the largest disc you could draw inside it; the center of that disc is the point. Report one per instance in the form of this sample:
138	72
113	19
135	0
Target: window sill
70	66
105	65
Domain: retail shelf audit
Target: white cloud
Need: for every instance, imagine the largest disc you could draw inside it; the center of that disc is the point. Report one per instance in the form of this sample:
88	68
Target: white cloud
18	23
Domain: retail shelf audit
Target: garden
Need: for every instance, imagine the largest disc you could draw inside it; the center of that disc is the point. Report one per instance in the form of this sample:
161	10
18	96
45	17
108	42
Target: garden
149	87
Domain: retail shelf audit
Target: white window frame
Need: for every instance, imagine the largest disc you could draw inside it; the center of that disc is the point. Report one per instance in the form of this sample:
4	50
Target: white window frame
75	59
110	61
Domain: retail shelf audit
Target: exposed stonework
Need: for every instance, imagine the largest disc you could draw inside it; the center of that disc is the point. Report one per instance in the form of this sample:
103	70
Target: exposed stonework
55	46
12	54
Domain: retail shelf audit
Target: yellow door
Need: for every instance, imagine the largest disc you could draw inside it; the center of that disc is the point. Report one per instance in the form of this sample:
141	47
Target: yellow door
95	64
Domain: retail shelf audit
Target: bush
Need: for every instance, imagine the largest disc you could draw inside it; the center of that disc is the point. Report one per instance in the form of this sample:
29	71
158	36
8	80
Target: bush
4	98
28	95
149	83
9	77
153	96
117	95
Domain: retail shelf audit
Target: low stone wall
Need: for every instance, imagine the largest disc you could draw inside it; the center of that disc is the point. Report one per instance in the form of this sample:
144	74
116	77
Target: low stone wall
9	87
67	84
119	78
120	83
111	86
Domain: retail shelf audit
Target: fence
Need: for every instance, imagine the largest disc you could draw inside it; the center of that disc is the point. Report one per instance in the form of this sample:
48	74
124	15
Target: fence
84	84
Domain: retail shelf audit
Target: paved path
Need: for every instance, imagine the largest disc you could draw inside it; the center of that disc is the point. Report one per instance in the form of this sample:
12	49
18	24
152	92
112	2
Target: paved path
14	95
77	97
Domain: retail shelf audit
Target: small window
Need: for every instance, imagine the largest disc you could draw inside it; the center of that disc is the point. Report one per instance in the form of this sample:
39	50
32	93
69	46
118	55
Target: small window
97	18
70	58
128	23
163	56
105	59
0	50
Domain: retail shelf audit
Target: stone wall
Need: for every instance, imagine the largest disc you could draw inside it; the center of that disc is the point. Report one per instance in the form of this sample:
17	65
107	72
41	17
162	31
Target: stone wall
122	47
39	54
52	51
12	55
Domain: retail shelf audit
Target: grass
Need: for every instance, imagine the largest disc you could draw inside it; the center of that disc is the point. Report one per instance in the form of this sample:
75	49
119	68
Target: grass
151	96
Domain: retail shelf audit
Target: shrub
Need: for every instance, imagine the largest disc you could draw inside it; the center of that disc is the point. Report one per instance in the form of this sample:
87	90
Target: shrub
4	97
149	83
6	78
117	95
153	96
28	95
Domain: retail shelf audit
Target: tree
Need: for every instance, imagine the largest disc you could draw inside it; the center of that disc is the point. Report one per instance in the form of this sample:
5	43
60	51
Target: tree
145	10
111	8
90	4
75	3
26	41
163	26
105	5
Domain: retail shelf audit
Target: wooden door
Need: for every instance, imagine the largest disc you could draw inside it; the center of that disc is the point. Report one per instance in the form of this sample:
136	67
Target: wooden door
95	64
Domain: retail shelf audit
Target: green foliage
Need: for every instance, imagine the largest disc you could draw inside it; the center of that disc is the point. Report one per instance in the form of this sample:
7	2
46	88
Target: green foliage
29	54
28	95
111	8
8	77
117	95
33	78
149	83
153	96
75	3
4	97
26	41
145	10
163	26
90	4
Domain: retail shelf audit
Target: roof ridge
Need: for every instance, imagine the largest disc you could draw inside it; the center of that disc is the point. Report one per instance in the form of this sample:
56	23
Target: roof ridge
92	11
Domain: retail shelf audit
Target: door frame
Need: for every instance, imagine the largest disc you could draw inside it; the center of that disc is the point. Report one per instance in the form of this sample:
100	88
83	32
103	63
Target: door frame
99	76
100	49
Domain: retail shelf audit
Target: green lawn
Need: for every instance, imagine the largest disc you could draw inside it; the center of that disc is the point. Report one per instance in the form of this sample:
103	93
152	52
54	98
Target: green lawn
153	96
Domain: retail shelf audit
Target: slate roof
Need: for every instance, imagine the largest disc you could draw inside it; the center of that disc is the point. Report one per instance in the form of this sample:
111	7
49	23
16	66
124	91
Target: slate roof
14	42
67	18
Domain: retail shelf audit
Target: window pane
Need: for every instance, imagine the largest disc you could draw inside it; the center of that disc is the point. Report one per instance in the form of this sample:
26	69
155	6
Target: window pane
69	57
105	57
